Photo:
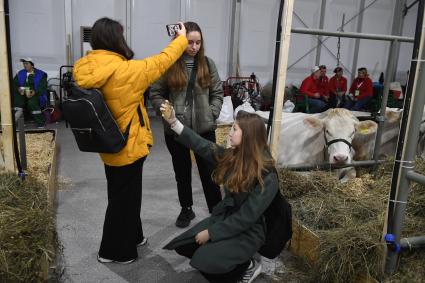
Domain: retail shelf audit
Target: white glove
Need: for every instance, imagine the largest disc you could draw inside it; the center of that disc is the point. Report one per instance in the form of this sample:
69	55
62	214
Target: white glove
169	116
168	112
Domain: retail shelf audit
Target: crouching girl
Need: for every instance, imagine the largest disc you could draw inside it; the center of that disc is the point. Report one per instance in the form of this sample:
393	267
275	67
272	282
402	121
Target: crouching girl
222	246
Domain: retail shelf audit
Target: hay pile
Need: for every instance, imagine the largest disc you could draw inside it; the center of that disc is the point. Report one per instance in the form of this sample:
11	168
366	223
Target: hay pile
26	229
39	155
348	218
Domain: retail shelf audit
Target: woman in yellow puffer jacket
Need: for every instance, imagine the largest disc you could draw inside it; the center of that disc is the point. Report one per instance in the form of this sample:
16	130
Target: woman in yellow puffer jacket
123	81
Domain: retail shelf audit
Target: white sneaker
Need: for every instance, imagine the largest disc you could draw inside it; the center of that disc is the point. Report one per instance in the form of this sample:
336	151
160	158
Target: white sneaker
105	260
252	272
143	242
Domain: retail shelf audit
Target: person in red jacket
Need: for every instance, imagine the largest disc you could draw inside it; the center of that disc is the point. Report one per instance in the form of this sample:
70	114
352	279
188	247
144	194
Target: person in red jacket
323	84
361	91
337	88
309	87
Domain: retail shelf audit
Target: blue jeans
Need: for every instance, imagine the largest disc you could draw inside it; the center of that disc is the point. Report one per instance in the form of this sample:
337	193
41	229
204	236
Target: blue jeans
357	105
317	105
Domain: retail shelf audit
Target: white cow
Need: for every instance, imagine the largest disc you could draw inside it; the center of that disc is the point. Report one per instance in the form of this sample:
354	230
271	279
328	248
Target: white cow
332	136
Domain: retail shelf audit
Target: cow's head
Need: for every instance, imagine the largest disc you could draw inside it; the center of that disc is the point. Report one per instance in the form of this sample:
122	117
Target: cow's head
339	127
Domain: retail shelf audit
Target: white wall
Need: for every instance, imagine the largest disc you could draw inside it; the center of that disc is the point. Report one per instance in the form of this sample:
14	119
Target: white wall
257	39
38	30
85	13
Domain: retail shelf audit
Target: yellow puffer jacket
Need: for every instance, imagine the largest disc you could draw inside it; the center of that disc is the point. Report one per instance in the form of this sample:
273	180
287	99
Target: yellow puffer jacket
123	83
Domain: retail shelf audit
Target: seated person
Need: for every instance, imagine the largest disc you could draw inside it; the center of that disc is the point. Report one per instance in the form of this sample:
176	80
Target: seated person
361	91
30	86
309	87
323	84
337	88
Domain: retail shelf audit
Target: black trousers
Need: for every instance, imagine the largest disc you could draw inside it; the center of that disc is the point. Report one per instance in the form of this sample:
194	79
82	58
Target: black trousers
182	165
228	277
122	230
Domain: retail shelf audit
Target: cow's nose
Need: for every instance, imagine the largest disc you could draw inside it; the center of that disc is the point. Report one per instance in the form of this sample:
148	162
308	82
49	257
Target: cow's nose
340	158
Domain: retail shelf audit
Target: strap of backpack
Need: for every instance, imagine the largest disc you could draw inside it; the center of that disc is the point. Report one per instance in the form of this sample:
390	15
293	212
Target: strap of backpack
191	85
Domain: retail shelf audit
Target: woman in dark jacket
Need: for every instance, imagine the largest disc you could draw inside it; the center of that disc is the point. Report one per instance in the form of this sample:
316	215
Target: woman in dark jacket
197	108
222	246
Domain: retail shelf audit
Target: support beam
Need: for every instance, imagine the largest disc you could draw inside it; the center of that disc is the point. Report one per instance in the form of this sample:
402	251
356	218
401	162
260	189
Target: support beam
285	38
357	42
353	35
319	39
5	88
233	68
381	116
396	29
406	147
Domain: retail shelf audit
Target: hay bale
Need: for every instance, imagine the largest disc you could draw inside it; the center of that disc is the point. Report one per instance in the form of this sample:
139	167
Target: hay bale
27	229
348	218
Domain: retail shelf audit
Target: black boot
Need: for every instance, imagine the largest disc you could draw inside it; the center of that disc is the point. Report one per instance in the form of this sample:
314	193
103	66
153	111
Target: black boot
186	214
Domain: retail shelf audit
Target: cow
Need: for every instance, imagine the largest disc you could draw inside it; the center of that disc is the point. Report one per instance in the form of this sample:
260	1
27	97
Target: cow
333	136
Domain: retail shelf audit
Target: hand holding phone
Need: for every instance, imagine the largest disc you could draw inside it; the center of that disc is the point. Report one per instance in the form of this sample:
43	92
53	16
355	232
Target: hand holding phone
174	30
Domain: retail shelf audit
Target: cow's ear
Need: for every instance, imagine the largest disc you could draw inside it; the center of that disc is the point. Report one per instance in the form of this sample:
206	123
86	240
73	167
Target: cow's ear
366	127
313	122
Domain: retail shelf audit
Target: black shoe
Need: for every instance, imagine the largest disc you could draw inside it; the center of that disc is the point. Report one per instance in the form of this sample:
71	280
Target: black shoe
186	214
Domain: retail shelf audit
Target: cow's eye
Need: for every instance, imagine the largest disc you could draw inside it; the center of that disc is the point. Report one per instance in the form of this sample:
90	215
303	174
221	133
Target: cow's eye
327	132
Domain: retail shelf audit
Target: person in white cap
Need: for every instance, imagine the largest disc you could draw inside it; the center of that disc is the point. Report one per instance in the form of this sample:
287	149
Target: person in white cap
30	90
309	87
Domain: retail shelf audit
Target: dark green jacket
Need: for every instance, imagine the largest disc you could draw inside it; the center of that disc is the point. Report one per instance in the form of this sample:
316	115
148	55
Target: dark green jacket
235	234
207	102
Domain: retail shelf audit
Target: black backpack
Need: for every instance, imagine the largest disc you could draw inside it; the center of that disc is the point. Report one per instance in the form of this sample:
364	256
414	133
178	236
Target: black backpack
92	124
279	226
278	217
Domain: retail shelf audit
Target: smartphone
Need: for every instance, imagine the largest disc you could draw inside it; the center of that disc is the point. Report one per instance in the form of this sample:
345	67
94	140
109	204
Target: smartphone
172	29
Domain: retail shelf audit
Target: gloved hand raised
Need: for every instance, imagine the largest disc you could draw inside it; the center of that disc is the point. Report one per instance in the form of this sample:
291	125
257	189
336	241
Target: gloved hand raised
168	113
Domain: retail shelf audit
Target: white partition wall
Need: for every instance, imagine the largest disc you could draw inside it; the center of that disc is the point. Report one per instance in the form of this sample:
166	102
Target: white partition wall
85	13
40	29
258	38
148	20
37	30
214	19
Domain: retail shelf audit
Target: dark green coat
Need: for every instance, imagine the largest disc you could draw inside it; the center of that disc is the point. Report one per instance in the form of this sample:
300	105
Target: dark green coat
235	236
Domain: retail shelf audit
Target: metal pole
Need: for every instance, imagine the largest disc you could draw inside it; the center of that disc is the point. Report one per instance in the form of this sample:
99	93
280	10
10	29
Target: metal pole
357	42
412	243
396	29
416	177
408	144
380	118
319	39
285	38
307	167
22	143
234	37
370	36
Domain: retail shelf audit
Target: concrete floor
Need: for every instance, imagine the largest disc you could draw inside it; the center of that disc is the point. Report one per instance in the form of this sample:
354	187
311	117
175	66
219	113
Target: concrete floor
81	204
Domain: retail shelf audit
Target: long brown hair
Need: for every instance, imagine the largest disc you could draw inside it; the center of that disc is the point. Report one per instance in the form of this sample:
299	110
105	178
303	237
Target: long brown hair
177	78
107	34
243	166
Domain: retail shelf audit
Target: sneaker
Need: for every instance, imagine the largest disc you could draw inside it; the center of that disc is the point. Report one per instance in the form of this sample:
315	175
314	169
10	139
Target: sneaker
143	242
185	216
251	273
105	260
